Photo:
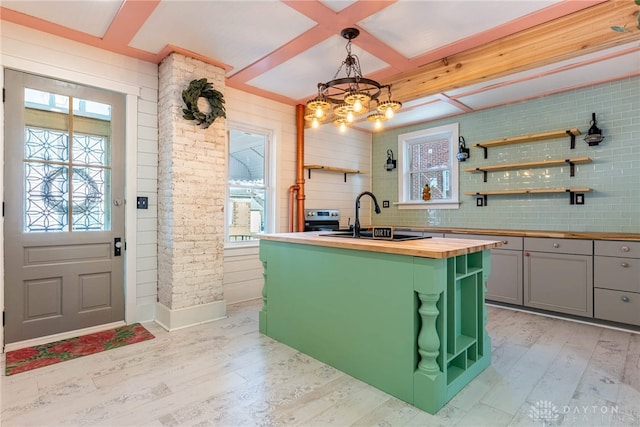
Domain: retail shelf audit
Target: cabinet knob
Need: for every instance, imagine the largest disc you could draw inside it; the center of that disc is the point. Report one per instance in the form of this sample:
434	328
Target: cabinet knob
625	298
624	264
504	242
624	248
556	245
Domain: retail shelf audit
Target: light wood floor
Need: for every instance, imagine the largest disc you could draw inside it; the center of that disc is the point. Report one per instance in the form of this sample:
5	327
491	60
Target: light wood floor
544	371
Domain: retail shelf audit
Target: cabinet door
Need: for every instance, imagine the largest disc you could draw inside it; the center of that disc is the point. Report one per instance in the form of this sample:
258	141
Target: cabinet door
559	282
505	280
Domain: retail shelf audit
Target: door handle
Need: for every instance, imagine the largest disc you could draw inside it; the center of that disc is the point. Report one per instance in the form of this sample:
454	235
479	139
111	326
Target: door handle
117	246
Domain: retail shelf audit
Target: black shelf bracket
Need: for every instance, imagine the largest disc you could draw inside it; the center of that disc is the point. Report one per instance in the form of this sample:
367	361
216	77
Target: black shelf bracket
309	175
485	175
572	167
484	149
573	140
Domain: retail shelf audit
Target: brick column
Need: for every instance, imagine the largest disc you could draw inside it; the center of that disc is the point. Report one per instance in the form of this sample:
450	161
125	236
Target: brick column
192	174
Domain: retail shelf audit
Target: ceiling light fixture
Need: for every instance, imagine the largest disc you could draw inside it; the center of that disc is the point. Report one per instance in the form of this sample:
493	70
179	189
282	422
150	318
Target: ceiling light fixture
344	98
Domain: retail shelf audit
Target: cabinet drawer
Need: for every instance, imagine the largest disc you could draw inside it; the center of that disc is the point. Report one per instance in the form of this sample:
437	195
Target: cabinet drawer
617	248
622	274
508	242
561	246
623	307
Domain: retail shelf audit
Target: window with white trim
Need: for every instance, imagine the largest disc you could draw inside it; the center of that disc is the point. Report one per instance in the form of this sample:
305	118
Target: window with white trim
428	156
248	194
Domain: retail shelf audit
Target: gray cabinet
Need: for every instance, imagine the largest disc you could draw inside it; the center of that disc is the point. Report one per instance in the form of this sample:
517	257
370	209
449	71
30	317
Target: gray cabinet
505	280
558	275
616	275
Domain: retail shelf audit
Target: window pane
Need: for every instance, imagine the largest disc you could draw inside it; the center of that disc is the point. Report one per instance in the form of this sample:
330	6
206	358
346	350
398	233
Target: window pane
46	101
246	157
428	158
90	149
47	198
46	144
86	108
246	213
89	194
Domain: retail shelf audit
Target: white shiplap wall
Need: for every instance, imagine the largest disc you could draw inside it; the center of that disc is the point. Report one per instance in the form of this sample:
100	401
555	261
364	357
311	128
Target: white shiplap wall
242	268
40	53
32	51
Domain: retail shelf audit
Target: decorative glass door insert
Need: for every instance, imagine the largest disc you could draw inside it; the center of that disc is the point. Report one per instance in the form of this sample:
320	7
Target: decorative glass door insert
67	163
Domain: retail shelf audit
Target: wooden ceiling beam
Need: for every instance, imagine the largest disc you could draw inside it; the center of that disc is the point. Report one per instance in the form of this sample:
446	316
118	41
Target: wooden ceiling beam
577	34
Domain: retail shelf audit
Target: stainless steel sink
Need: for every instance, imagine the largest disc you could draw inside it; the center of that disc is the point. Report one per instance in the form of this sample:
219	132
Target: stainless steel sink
369	236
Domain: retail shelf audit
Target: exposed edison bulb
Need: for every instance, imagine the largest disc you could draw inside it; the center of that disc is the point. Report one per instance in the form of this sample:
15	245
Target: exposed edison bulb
319	112
350	116
389	113
377	124
357	105
343	127
315	123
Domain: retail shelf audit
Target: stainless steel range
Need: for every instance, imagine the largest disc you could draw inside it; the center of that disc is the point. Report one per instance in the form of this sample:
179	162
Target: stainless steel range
321	219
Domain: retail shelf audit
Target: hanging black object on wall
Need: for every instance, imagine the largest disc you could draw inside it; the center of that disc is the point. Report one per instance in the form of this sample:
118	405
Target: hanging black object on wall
594	135
463	151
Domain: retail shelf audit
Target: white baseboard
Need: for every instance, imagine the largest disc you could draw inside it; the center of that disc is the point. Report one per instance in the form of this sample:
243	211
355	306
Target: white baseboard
172	320
61	336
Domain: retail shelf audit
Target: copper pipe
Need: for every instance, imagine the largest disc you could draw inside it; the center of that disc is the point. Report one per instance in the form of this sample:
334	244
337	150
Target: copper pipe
292	189
300	166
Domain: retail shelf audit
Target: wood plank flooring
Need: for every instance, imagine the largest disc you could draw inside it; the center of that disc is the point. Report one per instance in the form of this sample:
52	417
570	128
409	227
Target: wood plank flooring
544	371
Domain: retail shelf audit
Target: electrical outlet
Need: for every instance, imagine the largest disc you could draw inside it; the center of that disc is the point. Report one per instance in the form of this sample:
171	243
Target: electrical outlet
385	203
479	201
579	199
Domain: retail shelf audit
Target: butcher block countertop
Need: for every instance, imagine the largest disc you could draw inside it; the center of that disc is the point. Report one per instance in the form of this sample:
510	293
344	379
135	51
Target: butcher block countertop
591	235
435	247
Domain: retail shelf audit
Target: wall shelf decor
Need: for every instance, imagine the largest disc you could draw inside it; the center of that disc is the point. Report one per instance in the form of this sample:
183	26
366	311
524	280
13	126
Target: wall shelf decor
529	165
345	171
574	199
529	138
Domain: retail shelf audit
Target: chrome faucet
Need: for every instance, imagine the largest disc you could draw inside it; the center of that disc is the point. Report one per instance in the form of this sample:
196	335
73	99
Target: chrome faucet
356	224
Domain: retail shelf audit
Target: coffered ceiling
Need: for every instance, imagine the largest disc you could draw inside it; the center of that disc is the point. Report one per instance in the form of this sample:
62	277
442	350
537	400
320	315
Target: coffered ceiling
442	57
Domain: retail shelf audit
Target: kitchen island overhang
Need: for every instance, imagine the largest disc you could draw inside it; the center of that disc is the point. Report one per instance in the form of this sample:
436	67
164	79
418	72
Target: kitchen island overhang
406	317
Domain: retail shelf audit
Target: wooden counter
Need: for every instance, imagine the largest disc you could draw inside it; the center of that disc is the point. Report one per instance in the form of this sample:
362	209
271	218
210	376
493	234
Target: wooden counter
425	248
592	235
407	317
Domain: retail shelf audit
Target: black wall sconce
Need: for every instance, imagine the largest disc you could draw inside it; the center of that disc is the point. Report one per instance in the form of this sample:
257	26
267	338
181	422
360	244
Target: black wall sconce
391	162
594	135
463	151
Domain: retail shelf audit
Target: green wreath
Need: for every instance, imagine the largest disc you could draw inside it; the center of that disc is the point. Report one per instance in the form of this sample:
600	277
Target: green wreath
202	89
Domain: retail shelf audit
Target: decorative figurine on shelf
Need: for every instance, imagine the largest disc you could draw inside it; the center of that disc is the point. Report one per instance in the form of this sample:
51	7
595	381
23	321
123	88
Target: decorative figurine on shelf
426	192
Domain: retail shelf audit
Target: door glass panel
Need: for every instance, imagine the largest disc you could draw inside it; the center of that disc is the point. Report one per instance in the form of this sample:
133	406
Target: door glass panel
46	197
53	201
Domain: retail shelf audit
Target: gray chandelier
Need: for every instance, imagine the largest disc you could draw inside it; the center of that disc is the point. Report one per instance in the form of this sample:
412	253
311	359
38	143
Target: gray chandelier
344	98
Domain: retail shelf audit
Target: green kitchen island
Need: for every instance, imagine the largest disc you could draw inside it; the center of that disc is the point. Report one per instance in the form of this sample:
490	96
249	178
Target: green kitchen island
407	317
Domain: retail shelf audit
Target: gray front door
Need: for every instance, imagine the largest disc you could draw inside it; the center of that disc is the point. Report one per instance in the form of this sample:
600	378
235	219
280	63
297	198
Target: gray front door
63	205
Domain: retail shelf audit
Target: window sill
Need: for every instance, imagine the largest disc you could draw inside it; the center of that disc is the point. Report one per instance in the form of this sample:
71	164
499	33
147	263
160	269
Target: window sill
427	205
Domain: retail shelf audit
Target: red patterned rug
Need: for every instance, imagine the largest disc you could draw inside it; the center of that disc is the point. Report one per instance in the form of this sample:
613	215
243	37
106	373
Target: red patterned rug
26	359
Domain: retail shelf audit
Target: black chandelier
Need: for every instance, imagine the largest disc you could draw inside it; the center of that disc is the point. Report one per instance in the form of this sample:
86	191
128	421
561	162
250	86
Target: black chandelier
344	98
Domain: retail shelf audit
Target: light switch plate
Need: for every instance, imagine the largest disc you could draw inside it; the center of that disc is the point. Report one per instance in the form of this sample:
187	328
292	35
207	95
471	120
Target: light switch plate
143	202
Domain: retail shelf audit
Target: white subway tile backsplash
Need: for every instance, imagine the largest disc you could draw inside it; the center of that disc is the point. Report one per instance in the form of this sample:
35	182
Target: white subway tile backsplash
614	174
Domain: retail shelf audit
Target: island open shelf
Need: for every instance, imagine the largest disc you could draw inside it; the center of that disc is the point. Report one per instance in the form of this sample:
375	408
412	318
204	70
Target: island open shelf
414	327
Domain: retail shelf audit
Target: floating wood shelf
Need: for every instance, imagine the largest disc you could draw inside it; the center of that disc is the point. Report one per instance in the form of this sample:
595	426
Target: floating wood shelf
572	193
529	138
530	165
332	169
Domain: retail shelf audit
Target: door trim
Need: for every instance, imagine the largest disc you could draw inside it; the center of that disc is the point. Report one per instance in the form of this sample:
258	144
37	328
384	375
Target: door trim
132	315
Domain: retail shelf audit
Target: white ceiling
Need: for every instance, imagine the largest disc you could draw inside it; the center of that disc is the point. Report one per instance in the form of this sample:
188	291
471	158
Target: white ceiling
282	49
